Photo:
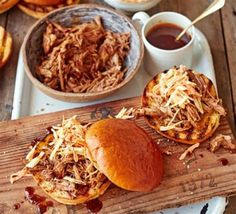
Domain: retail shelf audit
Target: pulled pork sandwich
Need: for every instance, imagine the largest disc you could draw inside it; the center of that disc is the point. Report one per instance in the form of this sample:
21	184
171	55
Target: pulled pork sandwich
40	8
85	58
60	166
5	46
76	162
7	4
185	105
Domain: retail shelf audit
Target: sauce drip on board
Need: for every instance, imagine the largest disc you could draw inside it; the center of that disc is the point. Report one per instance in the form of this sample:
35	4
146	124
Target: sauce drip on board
94	205
40	201
223	161
164	35
48	131
16	206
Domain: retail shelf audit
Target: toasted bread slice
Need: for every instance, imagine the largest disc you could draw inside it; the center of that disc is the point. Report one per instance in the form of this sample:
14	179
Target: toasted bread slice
62	196
203	128
39	11
5	46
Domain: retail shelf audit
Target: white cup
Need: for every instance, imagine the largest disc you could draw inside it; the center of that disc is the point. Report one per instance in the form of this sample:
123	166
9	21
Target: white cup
156	59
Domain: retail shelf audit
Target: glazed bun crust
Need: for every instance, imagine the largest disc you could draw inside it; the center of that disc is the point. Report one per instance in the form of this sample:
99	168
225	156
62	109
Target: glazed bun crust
125	154
6	5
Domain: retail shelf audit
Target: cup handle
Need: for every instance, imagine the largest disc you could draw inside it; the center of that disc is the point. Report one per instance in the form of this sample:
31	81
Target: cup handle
140	18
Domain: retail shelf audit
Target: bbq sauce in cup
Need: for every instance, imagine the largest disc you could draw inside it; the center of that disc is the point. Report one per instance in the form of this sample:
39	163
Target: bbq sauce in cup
164	35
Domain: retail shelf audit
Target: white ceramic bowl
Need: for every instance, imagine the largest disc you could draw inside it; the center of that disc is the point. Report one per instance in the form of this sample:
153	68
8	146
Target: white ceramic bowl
131	6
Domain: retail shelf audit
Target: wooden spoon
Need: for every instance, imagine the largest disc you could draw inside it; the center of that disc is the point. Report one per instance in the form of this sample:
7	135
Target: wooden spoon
213	7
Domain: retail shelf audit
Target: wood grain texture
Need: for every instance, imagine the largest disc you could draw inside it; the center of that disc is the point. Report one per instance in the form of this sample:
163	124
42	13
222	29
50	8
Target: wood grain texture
17	24
229	26
199	177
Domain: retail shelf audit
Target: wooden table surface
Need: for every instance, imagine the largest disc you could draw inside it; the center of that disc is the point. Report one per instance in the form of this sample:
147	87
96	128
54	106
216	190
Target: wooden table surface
219	28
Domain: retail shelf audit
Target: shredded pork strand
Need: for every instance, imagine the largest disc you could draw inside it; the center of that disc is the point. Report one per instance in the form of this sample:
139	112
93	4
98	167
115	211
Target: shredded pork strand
83	58
132	113
61	159
180	98
189	151
221	140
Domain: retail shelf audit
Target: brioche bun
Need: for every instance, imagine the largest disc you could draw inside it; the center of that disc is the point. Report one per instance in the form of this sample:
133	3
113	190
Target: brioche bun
7	4
5	46
204	128
45	2
39	10
61	197
60	194
125	154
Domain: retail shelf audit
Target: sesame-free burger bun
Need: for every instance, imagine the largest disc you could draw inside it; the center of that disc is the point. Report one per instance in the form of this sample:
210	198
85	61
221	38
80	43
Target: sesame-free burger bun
39	9
125	154
45	2
7	4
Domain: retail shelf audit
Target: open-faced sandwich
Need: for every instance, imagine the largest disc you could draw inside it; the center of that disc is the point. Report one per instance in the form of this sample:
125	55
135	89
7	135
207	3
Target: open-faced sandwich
184	104
77	162
39	8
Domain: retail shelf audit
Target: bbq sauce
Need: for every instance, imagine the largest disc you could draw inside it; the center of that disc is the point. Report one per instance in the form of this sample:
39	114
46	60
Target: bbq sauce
164	35
201	155
223	161
94	205
16	206
41	138
40	201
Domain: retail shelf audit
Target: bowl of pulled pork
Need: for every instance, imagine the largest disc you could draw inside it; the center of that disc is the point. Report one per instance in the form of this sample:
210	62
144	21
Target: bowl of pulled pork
82	53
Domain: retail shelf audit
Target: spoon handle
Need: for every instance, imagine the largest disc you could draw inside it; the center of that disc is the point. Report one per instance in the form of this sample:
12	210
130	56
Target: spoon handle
213	7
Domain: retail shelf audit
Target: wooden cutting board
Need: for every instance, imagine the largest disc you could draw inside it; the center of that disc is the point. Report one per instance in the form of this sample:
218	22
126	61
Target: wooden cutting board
200	176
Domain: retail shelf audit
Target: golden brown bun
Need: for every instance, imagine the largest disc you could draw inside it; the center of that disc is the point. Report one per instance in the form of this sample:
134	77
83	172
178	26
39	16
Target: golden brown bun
7	4
205	127
61	195
5	46
39	11
45	2
125	154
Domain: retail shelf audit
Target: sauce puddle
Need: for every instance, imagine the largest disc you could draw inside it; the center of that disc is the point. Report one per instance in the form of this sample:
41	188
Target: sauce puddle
223	161
94	205
39	201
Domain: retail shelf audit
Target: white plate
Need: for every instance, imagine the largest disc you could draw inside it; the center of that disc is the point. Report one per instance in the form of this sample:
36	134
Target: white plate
132	7
30	101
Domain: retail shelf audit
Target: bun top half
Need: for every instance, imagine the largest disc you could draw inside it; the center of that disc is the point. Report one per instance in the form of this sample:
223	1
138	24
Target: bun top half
125	154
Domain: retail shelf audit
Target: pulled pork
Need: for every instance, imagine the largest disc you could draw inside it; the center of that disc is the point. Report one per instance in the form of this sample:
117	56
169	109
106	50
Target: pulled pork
83	58
221	140
181	97
61	159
